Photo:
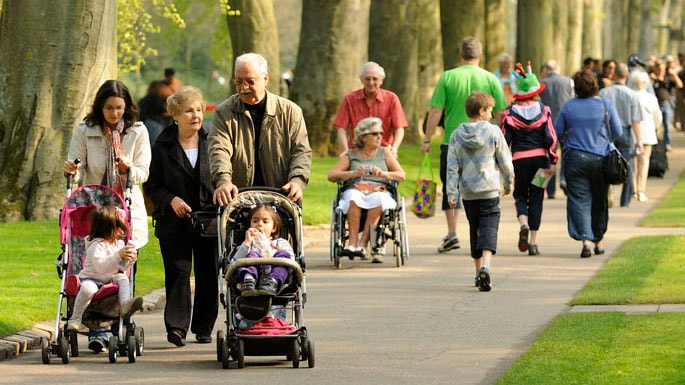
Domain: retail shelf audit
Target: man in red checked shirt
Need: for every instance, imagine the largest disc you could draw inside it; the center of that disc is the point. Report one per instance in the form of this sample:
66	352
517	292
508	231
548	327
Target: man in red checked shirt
371	100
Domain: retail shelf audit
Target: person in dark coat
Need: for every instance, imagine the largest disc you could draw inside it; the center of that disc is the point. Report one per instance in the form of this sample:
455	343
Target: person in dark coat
179	184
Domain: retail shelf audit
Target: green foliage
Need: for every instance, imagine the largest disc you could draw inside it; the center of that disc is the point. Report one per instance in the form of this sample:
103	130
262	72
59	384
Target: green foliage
605	348
134	23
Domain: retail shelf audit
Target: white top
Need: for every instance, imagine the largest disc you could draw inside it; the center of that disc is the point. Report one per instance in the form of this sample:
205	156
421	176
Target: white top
191	154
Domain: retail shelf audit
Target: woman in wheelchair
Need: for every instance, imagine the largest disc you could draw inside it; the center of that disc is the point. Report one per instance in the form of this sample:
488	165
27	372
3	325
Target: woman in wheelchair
365	170
262	241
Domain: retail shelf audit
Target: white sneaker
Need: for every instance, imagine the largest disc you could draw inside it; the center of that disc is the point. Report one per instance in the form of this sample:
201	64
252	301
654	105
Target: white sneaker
642	197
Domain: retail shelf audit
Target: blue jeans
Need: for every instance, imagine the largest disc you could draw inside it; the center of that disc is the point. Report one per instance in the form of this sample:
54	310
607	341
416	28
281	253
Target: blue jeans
483	216
626	146
587	210
667	113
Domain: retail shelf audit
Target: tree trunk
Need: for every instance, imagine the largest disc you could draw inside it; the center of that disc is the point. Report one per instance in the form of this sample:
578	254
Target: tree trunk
394	23
430	55
540	25
676	22
60	55
253	29
458	20
593	17
646	42
333	47
560	20
574	42
495	40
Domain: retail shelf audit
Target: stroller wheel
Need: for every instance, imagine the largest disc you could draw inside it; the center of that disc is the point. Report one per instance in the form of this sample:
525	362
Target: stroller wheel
219	345
225	355
131	349
45	350
240	354
73	343
295	353
113	347
64	349
139	335
310	353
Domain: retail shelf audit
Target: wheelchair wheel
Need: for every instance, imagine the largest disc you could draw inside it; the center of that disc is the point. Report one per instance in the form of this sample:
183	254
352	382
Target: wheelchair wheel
404	236
336	236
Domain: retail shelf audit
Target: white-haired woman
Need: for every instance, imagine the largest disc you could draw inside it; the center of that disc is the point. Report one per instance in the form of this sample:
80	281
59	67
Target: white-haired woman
365	171
651	120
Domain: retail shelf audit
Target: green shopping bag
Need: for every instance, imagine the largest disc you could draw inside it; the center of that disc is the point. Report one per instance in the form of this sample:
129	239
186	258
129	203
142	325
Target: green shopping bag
423	204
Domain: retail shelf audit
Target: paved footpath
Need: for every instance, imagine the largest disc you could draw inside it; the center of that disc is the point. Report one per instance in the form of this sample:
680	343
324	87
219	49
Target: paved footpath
424	323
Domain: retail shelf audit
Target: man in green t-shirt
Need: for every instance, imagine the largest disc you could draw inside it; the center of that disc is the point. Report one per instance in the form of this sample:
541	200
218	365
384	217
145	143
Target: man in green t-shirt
450	94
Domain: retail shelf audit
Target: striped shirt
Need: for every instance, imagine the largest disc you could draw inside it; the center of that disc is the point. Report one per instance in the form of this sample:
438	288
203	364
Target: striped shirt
386	106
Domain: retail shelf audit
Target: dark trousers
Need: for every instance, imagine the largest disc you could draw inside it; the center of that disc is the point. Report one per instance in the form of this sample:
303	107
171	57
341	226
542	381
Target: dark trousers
626	146
587	210
179	255
483	216
528	198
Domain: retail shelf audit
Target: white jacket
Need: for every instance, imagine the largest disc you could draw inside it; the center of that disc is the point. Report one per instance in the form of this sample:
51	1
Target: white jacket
92	147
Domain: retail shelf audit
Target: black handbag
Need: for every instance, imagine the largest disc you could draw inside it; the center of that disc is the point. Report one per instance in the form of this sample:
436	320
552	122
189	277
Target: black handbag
205	221
615	165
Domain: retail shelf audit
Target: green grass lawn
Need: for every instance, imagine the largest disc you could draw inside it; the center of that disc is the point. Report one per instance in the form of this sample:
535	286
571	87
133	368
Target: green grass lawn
605	348
29	285
671	210
616	348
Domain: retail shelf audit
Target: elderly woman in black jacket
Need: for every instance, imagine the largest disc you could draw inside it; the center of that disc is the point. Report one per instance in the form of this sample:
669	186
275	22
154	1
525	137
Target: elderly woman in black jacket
179	184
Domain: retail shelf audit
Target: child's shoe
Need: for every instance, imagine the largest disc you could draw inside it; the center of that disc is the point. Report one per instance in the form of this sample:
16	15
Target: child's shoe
269	286
484	274
248	286
131	306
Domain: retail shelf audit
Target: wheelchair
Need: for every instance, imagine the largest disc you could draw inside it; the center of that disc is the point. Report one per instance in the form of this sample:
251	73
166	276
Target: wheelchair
392	226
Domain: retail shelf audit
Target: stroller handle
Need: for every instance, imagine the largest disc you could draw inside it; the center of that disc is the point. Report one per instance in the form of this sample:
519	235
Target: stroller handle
70	178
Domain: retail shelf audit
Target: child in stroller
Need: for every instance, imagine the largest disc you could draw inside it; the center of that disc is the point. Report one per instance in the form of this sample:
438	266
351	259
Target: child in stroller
107	259
263	240
261	234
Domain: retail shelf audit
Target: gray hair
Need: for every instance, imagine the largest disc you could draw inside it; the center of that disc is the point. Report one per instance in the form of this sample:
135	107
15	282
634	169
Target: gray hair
552	67
639	80
252	57
183	95
364	127
371	66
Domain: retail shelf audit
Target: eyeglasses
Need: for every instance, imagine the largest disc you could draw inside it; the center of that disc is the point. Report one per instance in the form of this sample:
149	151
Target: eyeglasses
250	82
375	133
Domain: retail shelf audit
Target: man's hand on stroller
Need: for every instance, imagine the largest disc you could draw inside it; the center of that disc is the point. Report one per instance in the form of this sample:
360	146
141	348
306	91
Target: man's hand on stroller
224	194
294	191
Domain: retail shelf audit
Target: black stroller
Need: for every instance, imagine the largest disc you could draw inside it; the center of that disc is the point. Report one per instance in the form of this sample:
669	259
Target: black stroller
262	325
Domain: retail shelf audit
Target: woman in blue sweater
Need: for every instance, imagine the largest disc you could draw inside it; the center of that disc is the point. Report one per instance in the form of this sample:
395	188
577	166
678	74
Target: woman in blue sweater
584	137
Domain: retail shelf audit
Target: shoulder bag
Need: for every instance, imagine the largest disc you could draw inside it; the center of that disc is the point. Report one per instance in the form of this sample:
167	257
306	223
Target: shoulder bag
615	165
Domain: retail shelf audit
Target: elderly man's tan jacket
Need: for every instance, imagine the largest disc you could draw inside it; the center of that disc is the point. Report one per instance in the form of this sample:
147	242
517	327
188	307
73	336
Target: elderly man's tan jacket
284	148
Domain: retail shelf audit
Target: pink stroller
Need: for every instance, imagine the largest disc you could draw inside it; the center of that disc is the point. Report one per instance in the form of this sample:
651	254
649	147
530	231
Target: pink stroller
104	310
